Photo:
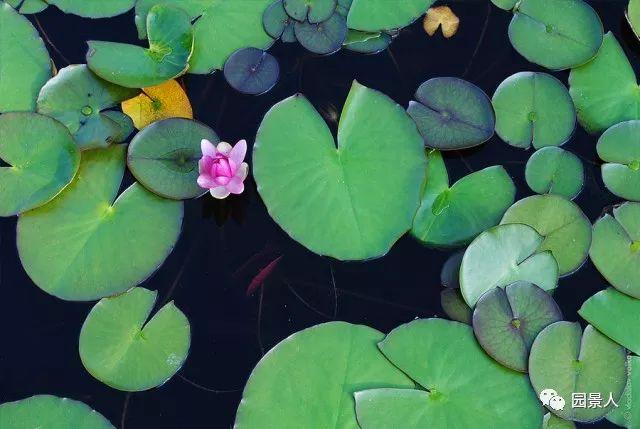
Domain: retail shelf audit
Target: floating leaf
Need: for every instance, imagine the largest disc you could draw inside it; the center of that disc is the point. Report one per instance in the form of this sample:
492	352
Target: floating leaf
633	16
325	398
314	11
627	414
343	7
376	15
164	157
124	125
94	8
555	34
220	28
42	158
503	255
565	359
441	16
367	45
26	65
86	244
29	6
552	170
454	306
168	100
78	98
45	411
551	421
457	384
452	114
450	274
505	4
362	205
453	216
276	21
533	109
566	230
252	71
605	90
615	250
170	47
323	38
506	321
619	147
124	348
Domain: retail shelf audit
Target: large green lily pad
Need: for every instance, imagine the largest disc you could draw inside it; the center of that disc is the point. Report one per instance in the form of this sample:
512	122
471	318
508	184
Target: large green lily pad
616	315
503	255
453	216
457	384
77	98
50	412
533	109
627	414
605	90
566	230
565	359
86	244
164	157
377	15
362	205
615	250
310	379
170	47
552	170
26	65
221	27
557	35
94	8
42	158
125	348
29	6
619	147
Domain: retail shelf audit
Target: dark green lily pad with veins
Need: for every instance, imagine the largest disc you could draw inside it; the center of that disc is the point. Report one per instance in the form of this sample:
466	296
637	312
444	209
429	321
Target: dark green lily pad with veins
42	158
615	250
164	157
325	366
170	46
94	8
314	11
323	38
556	34
456	384
506	321
533	109
454	306
552	170
276	21
504	255
605	90
29	6
452	114
126	348
87	244
377	15
566	230
453	216
252	71
50	412
78	98
627	414
619	147
565	359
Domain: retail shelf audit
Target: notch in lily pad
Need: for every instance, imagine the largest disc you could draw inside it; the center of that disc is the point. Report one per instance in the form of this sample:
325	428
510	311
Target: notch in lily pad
277	23
619	147
313	11
252	71
323	38
553	170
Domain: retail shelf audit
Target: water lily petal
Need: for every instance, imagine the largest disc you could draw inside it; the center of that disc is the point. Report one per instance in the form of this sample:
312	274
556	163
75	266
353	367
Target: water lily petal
205	164
220	192
238	152
222	168
242	172
208	149
206	181
235	186
224	148
222	180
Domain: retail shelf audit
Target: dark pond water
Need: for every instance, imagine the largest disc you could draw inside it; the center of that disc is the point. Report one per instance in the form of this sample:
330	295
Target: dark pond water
223	245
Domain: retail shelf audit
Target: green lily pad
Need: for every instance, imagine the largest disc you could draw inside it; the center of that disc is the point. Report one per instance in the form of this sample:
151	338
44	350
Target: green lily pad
26	66
376	15
566	230
124	348
633	16
164	157
505	4
316	393
533	109
221	27
450	273
615	250
551	421
314	11
616	315
627	414
323	38
453	216
42	158
452	114
503	255
78	98
276	20
125	126
605	90
552	170
619	147
252	71
565	359
29	6
50	412
170	47
454	306
506	321
370	46
86	244
343	7
363	206
94	8
458	384
556	35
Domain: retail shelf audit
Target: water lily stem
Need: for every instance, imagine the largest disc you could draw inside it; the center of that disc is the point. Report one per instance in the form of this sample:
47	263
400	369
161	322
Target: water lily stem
206	389
483	33
49	42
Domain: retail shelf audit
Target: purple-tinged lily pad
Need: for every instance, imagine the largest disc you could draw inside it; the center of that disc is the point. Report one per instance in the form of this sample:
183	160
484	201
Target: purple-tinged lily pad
314	11
323	38
450	274
454	306
276	21
252	71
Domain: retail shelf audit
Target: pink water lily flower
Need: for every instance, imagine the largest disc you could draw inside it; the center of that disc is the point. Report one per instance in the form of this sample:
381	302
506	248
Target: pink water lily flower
222	168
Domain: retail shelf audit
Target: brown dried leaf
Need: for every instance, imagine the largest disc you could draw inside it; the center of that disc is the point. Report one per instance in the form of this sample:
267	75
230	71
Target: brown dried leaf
441	16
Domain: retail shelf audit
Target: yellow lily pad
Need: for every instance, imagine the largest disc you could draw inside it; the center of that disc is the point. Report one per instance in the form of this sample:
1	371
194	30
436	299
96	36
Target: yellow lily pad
155	103
441	17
